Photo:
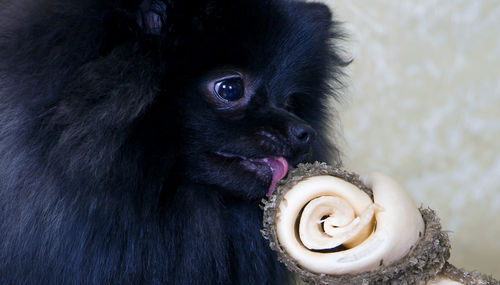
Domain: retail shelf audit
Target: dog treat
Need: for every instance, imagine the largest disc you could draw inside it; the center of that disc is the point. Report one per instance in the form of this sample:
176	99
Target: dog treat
331	226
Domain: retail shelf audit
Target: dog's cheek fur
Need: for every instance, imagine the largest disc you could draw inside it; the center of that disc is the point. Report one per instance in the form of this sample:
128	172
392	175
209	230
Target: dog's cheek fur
93	185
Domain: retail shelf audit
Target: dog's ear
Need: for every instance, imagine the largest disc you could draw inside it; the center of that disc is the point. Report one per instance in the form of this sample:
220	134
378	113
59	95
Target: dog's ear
151	16
154	20
132	19
315	12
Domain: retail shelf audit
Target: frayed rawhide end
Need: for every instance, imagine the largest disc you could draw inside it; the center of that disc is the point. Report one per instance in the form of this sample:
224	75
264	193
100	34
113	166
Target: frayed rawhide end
460	276
331	226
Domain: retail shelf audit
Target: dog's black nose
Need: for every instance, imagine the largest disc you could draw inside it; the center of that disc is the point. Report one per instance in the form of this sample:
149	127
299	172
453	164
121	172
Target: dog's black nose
302	135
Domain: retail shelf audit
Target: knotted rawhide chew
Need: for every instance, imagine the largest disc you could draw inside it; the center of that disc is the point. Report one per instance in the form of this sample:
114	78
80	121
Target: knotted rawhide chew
330	226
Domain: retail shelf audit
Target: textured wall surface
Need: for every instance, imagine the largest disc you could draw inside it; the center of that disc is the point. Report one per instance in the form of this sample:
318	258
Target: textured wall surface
423	105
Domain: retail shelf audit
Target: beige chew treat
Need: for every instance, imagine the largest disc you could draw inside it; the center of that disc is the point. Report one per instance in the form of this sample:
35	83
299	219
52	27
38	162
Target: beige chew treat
332	227
335	212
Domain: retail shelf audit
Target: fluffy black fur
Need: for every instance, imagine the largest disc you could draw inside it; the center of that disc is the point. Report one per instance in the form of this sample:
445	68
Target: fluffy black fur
109	172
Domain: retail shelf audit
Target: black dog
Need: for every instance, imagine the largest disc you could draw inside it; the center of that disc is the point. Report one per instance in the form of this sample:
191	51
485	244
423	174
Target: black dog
138	138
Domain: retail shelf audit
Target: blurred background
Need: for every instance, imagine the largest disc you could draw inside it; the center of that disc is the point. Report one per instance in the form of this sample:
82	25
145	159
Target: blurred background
422	104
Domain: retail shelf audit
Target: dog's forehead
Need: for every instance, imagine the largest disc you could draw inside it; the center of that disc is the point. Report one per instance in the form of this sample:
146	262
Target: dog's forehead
272	35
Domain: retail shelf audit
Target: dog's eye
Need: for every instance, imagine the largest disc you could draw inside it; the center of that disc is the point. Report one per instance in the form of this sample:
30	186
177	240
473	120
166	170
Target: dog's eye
230	89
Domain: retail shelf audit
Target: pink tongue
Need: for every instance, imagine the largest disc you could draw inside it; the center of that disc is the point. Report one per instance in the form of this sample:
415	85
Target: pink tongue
279	165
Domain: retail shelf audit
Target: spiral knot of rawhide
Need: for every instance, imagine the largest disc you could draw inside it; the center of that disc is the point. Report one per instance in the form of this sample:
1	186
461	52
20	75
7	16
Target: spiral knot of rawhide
423	261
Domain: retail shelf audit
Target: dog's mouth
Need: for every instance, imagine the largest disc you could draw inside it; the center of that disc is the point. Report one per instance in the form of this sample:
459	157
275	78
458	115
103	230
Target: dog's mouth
270	169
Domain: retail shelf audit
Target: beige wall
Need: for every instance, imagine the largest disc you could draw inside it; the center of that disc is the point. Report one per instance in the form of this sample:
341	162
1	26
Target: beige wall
423	105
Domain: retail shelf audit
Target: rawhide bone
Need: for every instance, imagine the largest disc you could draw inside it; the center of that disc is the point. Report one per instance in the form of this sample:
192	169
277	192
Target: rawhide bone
331	226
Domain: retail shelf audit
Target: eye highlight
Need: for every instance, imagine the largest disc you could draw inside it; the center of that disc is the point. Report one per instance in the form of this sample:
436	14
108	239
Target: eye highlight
230	89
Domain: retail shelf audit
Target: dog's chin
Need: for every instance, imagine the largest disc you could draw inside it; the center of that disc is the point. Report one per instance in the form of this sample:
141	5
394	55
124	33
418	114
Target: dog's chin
266	171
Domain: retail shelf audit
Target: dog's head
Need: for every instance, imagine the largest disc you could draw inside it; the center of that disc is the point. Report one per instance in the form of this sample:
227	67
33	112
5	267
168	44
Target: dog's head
251	82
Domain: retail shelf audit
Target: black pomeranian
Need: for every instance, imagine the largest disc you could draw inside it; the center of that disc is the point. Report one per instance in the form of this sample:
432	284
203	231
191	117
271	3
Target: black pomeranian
137	138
